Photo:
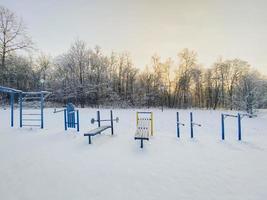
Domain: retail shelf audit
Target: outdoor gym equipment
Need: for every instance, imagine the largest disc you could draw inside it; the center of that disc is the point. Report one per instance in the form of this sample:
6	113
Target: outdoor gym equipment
29	102
101	128
70	119
144	126
192	124
239	117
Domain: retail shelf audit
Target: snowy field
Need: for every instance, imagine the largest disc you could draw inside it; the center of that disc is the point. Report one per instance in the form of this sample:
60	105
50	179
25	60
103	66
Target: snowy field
51	164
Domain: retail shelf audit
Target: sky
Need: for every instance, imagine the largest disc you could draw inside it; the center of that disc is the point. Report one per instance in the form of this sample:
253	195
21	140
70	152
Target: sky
213	28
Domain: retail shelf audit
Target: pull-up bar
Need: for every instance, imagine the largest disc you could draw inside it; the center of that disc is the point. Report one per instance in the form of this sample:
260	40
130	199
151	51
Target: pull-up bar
239	117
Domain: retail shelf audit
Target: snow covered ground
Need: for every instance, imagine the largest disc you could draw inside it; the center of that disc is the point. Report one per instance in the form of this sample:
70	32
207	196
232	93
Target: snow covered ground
53	164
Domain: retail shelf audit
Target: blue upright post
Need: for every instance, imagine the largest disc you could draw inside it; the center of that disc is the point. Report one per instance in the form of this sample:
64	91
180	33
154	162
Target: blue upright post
191	124
111	122
239	126
98	118
12	108
78	121
178	125
222	121
20	109
42	110
65	119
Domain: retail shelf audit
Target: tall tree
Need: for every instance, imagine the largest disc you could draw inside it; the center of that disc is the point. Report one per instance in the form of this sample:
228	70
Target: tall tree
13	35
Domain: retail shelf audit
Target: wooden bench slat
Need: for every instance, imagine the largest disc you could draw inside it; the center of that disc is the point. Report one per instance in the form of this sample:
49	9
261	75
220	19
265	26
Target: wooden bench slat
96	130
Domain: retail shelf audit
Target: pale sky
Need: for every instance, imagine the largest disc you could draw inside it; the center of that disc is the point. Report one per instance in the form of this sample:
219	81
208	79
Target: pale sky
213	28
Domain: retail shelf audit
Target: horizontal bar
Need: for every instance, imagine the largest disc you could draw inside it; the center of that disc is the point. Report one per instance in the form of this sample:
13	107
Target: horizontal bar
30	114
31	119
9	90
36	93
196	124
71	111
229	115
144	112
31	98
247	115
30	125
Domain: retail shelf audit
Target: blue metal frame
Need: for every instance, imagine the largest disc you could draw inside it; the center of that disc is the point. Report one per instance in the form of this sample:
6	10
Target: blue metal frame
70	120
20	94
239	117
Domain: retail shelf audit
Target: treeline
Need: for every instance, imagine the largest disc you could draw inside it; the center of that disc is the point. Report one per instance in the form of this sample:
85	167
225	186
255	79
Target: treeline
88	77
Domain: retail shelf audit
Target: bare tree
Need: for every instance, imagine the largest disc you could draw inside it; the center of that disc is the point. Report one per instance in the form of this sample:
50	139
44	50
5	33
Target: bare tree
13	35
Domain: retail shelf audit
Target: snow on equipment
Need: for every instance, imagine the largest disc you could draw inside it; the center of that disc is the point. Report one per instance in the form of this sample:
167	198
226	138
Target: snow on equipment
144	124
29	103
239	117
101	128
70	119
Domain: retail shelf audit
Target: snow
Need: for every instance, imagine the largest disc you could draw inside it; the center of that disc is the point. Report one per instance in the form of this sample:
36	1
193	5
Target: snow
57	164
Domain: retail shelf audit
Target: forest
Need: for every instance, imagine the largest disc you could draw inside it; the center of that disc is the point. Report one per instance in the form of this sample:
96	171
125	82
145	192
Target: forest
86	76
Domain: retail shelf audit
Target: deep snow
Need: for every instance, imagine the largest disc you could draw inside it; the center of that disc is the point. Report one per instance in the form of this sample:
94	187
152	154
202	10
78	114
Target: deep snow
54	164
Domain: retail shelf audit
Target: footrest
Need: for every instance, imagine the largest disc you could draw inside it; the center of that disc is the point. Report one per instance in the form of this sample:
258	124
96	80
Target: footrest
141	140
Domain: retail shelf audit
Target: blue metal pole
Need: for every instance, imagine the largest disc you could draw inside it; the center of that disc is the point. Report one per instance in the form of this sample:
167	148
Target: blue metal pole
20	110
222	121
111	122
73	119
239	126
178	125
191	124
65	119
42	110
98	118
12	108
78	121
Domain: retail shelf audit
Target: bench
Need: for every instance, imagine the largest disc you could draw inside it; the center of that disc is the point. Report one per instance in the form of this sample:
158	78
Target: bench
95	132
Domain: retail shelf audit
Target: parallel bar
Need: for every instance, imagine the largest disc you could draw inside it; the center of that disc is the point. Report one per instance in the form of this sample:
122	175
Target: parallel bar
31	125
12	108
222	122
144	112
229	115
65	119
178	124
32	114
111	121
20	110
42	110
191	125
239	126
37	120
98	118
78	121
